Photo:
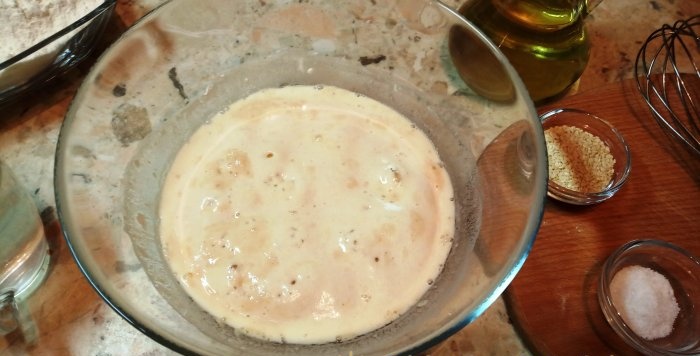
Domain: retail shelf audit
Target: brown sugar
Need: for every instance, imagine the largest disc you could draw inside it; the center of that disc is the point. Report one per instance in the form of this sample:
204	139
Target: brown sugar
578	160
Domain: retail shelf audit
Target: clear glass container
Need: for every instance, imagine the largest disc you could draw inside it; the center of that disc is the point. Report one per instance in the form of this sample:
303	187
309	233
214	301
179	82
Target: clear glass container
545	40
682	270
612	139
189	59
24	256
47	60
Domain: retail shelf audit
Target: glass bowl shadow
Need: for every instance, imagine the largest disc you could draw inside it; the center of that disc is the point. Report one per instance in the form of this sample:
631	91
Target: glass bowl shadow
47	60
682	270
610	136
187	61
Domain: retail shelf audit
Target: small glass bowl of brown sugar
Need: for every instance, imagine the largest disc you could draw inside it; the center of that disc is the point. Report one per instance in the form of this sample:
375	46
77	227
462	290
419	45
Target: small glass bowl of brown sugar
588	158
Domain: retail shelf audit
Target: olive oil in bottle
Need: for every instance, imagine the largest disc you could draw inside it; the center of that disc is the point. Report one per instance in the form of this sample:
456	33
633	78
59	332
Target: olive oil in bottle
544	40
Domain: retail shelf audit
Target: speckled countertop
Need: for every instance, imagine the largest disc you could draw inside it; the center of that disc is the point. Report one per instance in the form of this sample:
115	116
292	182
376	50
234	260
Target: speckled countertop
71	317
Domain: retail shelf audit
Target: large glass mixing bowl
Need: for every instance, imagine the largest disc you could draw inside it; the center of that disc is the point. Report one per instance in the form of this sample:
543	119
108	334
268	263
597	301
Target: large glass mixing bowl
189	59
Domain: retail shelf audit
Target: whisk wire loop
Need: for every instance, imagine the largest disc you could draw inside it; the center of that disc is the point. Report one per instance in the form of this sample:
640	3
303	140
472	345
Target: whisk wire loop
669	70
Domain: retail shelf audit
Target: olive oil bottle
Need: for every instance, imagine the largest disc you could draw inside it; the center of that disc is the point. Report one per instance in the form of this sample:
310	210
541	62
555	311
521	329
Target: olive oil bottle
545	40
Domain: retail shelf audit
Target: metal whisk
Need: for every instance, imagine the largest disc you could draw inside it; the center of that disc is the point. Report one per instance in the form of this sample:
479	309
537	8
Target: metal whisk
672	95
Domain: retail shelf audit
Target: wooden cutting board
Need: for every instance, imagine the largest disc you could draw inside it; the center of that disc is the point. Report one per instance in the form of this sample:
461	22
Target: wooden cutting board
553	299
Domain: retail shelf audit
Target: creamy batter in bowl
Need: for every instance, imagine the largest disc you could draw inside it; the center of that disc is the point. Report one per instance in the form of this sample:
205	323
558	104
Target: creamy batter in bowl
117	151
198	234
306	214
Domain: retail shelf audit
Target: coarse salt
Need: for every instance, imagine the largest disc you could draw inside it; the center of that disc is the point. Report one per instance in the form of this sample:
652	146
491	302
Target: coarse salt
644	298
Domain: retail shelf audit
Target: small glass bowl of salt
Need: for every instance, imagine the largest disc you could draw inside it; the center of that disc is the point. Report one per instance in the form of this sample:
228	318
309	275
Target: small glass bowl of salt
650	295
